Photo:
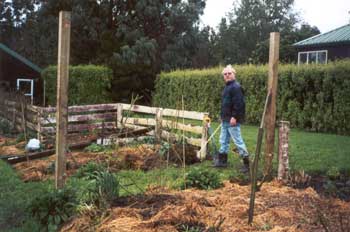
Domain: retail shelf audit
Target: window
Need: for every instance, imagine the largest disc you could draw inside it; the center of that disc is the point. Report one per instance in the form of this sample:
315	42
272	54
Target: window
312	57
26	86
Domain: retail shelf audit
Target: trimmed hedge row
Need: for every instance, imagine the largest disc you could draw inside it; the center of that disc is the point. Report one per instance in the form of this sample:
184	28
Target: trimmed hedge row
88	84
313	97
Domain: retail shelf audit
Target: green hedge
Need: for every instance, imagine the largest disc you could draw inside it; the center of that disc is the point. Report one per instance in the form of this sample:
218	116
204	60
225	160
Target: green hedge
313	97
88	84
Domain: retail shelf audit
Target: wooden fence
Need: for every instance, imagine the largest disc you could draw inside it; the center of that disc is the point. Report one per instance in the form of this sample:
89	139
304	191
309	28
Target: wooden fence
166	123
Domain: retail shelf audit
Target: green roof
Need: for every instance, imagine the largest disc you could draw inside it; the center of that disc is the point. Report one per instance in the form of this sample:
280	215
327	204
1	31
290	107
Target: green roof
19	57
337	36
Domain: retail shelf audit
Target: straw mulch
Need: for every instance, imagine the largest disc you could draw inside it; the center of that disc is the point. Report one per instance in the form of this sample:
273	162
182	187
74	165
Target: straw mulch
142	157
277	208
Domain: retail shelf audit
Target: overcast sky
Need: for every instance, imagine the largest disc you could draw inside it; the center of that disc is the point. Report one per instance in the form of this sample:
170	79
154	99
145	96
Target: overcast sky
324	14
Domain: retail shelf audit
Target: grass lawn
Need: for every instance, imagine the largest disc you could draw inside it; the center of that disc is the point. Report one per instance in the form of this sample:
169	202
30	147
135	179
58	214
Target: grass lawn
314	153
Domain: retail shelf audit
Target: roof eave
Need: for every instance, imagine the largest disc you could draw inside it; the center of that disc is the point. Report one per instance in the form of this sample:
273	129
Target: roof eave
21	58
322	44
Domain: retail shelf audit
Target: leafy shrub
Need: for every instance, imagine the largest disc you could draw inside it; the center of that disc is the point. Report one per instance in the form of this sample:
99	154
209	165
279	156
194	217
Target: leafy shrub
89	170
88	84
202	178
54	207
313	97
95	148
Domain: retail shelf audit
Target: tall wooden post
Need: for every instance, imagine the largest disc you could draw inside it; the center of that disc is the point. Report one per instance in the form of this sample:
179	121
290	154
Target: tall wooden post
271	108
62	96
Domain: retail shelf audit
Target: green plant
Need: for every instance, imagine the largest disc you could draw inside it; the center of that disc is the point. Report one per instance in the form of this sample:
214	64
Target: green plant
164	148
89	170
88	84
95	148
5	126
190	228
52	167
330	188
148	140
203	178
312	97
333	173
20	138
102	190
54	207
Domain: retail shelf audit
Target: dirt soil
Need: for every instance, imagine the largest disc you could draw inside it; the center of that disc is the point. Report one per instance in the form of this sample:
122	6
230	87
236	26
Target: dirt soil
277	208
144	157
8	146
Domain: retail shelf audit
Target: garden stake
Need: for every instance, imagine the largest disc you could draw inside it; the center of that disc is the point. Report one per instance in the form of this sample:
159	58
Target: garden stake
256	160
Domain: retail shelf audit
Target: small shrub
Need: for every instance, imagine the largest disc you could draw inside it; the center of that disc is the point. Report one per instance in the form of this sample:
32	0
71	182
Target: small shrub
95	148
202	178
54	207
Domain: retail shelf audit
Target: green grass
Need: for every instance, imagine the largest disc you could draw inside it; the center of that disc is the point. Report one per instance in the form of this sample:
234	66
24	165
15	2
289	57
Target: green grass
315	153
15	197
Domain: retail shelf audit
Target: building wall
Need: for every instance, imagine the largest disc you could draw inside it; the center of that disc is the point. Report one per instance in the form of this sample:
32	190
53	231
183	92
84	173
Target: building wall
334	52
11	69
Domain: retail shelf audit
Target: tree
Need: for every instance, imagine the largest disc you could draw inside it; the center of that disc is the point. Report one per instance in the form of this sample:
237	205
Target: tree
247	33
287	51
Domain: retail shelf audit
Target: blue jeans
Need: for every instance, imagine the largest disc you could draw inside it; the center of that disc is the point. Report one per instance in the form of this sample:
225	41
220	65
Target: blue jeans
234	132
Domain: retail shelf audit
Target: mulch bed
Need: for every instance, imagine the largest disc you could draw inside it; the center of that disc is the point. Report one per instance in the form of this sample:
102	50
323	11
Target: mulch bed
277	208
142	157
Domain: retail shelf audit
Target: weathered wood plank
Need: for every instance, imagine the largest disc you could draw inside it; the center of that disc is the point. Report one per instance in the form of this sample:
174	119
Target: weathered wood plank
193	141
81	118
168	124
140	109
84	108
140	121
166	112
81	127
184	114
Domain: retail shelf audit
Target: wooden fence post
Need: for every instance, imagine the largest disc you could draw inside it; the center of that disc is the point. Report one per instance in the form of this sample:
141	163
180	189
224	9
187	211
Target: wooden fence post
204	142
283	160
119	115
158	126
23	117
270	119
62	97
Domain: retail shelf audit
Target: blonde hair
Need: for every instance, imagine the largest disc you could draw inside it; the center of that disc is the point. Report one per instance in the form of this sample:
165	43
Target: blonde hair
230	68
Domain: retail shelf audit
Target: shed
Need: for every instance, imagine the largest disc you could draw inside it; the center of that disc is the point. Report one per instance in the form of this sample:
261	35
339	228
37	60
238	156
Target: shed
17	72
325	47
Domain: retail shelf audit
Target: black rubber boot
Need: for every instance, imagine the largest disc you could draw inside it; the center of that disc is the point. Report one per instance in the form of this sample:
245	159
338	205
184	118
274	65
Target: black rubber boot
220	160
246	167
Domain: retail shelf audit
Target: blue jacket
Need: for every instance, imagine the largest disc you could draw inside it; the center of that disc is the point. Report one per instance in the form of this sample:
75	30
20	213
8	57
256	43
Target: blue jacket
232	102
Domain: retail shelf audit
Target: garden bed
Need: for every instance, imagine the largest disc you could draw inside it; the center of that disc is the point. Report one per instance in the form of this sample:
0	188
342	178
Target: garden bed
277	208
139	157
